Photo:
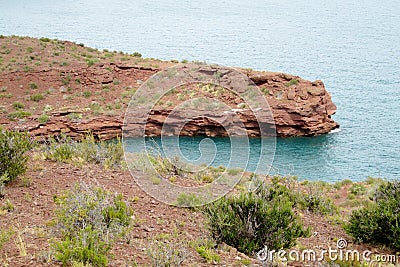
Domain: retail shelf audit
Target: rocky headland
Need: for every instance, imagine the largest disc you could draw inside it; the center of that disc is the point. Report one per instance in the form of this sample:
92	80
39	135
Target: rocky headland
49	87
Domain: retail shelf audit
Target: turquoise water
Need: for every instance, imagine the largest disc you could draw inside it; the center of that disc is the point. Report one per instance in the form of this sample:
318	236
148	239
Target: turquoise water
353	46
308	158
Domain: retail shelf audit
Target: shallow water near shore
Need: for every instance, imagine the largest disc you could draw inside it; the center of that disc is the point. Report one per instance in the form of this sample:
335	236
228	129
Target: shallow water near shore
353	46
316	158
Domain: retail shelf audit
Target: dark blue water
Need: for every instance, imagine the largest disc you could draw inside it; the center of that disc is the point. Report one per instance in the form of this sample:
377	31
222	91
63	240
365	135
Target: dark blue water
353	46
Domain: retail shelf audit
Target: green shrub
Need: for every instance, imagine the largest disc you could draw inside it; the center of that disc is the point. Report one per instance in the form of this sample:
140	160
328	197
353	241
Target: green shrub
357	189
378	223
37	97
208	254
19	114
13	158
251	220
66	80
61	149
95	107
319	204
87	94
292	82
206	250
108	153
44	118
5	95
33	85
88	221
18	105
314	200
85	247
116	81
189	200
5	235
90	62
45	39
310	198
75	117
8	206
166	254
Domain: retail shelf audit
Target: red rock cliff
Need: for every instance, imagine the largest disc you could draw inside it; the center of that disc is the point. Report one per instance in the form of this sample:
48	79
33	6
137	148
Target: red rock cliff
57	86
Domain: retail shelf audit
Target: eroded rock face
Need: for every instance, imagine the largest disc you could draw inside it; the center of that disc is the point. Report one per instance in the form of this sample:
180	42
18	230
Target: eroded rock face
103	127
299	107
100	92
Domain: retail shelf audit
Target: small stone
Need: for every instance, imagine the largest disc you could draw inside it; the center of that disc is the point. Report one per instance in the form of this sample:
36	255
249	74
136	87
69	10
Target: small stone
317	83
147	229
291	93
279	95
241	105
63	89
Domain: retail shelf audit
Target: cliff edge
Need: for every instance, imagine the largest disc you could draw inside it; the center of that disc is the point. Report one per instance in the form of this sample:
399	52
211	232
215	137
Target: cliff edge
49	87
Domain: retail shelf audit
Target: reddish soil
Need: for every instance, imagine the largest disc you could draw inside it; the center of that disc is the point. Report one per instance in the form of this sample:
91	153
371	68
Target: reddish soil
34	205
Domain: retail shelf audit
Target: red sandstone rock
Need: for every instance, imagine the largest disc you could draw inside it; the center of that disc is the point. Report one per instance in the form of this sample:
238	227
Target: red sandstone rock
299	107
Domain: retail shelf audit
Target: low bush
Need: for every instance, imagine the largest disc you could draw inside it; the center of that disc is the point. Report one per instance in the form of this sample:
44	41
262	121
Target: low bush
32	85
310	197
252	220
357	189
292	82
206	249
378	222
44	118
88	221
37	97
13	158
136	54
166	254
189	200
87	94
5	235
108	153
208	254
18	105
19	114
314	200
60	149
45	39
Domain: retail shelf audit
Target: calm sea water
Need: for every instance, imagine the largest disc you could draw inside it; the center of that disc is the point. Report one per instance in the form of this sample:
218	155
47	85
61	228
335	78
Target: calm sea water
353	46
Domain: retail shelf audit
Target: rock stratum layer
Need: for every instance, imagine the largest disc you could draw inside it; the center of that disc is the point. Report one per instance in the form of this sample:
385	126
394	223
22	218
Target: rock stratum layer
49	87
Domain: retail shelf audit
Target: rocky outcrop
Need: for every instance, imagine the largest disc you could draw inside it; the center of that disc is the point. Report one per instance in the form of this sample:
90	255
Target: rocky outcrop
300	107
102	127
98	86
